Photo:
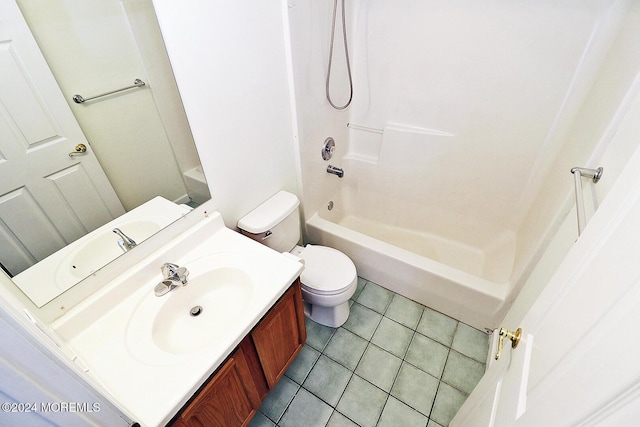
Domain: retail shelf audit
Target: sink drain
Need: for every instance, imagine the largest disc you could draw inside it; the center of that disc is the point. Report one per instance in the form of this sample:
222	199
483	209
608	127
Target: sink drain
195	311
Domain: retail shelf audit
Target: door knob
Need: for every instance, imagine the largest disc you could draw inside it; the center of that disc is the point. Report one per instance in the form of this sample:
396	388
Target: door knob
513	336
80	149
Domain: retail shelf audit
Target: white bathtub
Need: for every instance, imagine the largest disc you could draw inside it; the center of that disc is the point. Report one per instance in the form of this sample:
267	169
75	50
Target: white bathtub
452	274
196	185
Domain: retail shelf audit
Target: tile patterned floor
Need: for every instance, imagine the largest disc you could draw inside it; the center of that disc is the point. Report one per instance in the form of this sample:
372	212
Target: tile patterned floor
393	363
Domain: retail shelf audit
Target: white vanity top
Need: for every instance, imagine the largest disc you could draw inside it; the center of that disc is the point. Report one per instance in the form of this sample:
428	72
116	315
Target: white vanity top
150	369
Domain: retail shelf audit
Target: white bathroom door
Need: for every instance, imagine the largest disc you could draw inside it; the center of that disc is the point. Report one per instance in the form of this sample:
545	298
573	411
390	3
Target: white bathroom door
47	198
579	359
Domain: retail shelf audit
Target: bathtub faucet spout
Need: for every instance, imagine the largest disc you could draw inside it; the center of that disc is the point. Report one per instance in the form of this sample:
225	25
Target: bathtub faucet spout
336	171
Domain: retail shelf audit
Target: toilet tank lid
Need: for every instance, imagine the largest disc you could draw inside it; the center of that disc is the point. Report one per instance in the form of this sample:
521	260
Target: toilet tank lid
270	213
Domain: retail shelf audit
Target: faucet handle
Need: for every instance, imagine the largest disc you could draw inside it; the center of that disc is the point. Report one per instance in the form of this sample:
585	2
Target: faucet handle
182	274
174	272
169	269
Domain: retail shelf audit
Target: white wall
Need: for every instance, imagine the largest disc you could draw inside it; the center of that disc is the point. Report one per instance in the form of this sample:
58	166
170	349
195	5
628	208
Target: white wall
231	66
91	48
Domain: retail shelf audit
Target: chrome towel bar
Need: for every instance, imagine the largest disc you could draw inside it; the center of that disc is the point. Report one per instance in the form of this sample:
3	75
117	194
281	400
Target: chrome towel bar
578	173
79	99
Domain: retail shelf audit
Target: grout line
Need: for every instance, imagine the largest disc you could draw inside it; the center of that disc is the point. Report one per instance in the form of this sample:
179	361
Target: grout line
288	404
435	396
368	343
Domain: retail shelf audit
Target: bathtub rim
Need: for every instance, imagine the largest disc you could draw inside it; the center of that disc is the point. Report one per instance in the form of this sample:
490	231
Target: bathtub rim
480	305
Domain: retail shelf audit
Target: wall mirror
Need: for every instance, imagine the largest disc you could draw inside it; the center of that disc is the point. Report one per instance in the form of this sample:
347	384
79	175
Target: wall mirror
72	172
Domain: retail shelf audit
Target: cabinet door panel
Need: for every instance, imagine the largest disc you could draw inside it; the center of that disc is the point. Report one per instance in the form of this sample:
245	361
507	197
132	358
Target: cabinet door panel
280	335
228	400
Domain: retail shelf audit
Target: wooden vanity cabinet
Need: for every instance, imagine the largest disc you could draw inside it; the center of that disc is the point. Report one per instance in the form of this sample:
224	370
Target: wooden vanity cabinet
233	394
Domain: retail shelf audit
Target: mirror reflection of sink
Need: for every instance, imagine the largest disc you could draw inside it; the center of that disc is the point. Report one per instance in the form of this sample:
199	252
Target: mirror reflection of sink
61	270
193	317
103	248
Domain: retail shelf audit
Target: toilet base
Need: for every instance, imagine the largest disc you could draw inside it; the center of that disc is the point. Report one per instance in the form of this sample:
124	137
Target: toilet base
328	316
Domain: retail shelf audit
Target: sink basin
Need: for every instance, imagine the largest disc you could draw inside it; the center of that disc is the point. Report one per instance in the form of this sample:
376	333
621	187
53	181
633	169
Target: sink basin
193	317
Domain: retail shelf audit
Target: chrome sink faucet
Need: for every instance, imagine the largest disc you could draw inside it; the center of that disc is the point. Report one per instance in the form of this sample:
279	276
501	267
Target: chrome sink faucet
173	275
125	242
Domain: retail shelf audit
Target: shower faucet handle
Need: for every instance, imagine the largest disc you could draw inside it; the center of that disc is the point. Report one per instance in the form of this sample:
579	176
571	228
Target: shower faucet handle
328	148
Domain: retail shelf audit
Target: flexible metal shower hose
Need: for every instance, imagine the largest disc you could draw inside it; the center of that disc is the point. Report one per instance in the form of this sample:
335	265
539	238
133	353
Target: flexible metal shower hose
346	51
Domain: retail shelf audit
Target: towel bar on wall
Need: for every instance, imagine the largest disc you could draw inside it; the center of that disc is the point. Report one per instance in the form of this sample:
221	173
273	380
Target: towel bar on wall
578	173
79	99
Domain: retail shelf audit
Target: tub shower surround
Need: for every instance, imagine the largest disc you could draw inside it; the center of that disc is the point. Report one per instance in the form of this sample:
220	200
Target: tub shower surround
456	149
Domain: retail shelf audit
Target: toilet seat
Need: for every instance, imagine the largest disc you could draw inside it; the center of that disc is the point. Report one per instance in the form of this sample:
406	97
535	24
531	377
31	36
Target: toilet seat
327	271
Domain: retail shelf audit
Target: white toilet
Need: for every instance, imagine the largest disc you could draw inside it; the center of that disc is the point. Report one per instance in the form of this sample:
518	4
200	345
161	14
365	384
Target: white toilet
329	278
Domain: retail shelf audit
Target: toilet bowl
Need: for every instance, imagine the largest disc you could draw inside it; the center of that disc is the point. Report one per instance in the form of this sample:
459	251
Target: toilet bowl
329	278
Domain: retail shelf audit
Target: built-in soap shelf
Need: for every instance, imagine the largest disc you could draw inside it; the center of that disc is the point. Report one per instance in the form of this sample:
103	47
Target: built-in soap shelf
390	145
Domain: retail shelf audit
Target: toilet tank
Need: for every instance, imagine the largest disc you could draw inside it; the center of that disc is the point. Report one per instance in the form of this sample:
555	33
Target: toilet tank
275	223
